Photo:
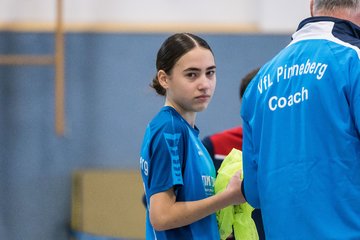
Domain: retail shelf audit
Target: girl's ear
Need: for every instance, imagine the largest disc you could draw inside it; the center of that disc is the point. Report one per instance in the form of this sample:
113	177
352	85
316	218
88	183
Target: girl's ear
163	79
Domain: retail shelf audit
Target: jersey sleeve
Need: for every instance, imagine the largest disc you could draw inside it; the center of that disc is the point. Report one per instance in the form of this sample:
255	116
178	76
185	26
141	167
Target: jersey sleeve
167	158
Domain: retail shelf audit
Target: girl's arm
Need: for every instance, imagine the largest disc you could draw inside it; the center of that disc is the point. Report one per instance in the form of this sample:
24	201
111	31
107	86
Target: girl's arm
166	213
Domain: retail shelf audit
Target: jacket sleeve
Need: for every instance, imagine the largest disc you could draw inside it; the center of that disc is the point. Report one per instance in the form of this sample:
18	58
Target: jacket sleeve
250	168
355	96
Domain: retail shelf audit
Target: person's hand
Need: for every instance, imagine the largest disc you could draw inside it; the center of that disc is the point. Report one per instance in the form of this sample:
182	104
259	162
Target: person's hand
234	189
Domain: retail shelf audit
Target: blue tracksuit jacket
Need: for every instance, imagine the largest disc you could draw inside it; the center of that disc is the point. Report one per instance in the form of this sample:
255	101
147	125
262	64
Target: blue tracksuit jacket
301	122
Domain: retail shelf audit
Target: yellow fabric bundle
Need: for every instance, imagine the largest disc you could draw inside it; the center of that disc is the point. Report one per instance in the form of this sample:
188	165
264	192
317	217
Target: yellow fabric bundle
237	218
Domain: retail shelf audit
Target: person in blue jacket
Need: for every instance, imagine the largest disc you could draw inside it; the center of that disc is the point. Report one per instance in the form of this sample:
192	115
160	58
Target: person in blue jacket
220	144
177	171
301	129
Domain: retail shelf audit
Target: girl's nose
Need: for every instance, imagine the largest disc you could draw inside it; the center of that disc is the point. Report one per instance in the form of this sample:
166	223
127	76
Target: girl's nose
205	83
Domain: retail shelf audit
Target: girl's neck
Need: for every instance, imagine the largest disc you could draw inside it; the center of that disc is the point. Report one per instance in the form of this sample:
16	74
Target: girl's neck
188	116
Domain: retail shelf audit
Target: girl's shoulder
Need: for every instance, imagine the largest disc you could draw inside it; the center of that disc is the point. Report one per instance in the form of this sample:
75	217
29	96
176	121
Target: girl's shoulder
169	120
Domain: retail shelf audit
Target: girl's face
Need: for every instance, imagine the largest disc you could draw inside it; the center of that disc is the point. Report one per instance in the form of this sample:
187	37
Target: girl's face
191	84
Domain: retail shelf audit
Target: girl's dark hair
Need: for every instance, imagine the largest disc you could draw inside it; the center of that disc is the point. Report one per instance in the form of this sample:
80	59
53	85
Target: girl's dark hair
246	80
173	48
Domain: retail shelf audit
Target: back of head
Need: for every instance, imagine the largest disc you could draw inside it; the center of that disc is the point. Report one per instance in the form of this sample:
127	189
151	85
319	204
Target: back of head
246	80
333	4
344	9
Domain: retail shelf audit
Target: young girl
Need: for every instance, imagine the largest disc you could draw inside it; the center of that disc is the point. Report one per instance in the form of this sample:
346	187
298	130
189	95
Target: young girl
177	171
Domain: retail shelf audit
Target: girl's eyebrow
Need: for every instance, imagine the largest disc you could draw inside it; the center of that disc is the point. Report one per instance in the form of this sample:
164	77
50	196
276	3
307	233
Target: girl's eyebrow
198	69
191	69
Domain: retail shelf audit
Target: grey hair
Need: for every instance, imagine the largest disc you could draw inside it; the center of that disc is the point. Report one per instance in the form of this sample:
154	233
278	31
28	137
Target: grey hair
331	5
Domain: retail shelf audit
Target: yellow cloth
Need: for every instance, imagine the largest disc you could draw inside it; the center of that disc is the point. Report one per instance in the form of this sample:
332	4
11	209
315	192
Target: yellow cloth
237	218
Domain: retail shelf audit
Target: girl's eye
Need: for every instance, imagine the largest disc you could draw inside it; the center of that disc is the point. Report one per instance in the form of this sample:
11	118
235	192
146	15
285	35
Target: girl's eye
191	75
210	73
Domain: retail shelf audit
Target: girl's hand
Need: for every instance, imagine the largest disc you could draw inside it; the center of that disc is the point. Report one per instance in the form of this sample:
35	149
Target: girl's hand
234	189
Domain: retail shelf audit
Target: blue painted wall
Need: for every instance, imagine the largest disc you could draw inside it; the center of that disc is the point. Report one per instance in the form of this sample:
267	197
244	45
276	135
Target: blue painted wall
108	104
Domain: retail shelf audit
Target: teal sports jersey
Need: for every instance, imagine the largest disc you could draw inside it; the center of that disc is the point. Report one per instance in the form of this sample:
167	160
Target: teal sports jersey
301	144
172	156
